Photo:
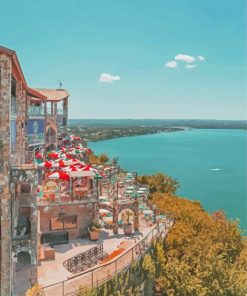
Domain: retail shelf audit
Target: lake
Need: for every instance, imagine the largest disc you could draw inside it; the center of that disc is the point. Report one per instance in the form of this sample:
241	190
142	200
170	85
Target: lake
210	165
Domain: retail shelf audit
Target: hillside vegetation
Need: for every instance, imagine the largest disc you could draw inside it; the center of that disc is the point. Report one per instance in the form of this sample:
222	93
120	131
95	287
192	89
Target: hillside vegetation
202	254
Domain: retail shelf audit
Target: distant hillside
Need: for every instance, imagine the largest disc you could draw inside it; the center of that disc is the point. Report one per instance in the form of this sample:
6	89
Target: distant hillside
193	123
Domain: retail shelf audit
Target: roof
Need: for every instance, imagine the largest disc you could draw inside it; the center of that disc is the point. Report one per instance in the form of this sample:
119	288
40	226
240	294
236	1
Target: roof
53	95
16	68
18	74
36	95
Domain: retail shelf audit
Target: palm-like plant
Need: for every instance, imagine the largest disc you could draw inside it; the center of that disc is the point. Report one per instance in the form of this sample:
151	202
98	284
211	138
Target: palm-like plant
36	290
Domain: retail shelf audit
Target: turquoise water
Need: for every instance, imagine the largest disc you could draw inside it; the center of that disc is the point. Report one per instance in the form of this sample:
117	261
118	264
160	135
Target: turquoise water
210	165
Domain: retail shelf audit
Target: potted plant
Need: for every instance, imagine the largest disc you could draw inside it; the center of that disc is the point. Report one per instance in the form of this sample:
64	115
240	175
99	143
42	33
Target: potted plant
127	227
94	231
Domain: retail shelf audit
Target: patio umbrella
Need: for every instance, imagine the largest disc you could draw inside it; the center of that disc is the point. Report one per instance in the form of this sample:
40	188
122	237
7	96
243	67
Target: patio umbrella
38	155
147	212
89	168
53	154
104	212
46	164
70	168
59	176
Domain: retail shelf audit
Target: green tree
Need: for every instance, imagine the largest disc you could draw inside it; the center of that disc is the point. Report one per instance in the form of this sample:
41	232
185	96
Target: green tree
159	183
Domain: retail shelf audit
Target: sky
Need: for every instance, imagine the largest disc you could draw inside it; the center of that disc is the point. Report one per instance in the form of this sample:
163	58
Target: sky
134	58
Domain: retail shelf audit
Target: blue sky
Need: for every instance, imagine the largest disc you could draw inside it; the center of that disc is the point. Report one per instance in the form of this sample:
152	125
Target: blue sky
132	41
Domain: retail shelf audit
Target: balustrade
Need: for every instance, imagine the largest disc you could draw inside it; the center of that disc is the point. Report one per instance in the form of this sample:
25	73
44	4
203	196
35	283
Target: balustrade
35	111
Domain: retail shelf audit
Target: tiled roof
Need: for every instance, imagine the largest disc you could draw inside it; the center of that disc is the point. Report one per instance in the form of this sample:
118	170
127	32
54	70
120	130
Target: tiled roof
53	95
36	95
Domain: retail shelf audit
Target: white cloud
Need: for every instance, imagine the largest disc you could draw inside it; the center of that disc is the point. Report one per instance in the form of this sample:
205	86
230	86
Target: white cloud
190	66
107	78
171	64
185	58
201	58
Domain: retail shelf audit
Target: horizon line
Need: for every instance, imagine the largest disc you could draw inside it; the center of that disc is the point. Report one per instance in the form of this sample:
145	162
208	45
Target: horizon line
157	119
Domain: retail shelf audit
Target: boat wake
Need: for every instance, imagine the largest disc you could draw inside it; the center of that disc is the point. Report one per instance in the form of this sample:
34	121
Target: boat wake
217	169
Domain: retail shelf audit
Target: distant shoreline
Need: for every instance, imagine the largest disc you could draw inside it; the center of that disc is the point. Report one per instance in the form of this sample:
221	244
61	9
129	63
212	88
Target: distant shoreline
94	130
96	134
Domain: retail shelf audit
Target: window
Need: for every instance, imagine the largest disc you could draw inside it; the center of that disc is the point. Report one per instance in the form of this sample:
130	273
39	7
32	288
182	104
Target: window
25	188
13	87
70	222
63	222
56	224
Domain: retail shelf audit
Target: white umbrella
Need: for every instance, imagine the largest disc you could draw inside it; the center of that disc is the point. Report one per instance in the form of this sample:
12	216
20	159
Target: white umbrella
147	212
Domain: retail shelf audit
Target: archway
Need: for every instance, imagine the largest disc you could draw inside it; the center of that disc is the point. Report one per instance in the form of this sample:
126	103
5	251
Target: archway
116	207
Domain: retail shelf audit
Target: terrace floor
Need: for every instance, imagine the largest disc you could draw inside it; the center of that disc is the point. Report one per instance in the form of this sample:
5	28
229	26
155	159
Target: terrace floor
51	272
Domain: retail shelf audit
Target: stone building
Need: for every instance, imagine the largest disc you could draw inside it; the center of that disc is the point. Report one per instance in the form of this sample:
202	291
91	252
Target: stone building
56	114
24	124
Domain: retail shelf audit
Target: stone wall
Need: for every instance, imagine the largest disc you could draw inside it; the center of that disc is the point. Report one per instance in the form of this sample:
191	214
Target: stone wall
5	196
84	218
21	117
30	245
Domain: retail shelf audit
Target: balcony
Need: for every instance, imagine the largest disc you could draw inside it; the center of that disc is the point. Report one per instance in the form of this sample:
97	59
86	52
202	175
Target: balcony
21	158
56	112
61	112
35	111
64	197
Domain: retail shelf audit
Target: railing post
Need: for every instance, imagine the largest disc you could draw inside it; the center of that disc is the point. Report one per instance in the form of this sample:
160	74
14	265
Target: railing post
63	288
116	266
92	278
132	254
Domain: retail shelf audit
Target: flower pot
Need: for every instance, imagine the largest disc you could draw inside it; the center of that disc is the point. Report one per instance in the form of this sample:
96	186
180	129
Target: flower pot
94	235
127	228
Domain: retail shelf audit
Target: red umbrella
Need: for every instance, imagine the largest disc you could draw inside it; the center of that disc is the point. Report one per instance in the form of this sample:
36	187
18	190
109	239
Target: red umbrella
48	164
61	163
68	155
38	155
59	175
89	168
53	154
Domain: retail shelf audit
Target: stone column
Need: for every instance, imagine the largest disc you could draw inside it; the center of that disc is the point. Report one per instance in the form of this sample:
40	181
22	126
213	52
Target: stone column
5	196
33	180
95	213
115	216
136	214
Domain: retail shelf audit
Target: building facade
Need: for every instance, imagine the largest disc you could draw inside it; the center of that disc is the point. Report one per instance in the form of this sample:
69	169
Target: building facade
25	129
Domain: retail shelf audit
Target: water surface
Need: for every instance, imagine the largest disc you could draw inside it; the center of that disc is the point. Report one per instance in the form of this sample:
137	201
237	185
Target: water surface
210	165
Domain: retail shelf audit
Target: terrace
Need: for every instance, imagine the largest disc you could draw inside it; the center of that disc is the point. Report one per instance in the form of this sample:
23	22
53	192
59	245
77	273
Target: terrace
121	251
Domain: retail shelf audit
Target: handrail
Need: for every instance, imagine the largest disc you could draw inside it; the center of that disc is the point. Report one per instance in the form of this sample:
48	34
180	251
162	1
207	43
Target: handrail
112	262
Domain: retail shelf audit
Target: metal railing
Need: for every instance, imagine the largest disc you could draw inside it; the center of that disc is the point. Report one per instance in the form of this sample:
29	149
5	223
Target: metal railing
67	197
58	111
35	111
103	273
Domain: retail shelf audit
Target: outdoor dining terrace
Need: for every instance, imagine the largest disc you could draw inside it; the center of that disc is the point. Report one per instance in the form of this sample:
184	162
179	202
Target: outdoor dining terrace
52	192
